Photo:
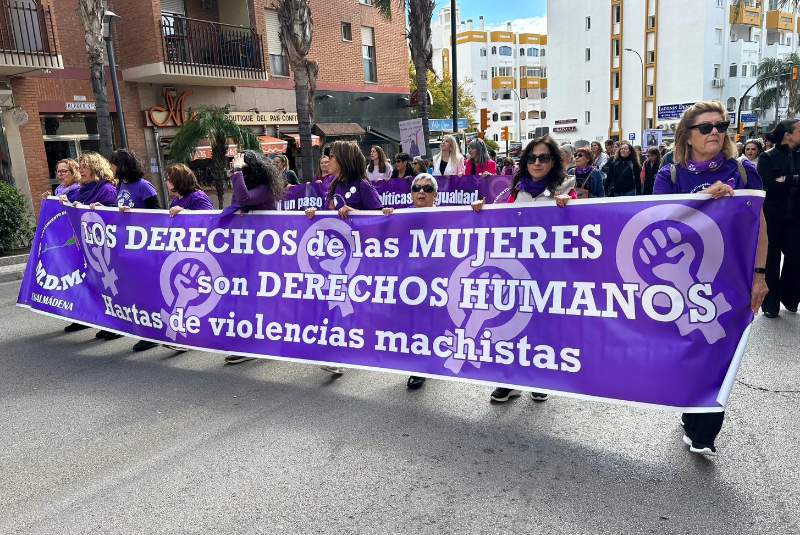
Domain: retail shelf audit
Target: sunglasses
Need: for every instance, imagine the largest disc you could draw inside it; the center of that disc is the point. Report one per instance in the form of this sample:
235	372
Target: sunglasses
706	128
544	158
399	161
427	188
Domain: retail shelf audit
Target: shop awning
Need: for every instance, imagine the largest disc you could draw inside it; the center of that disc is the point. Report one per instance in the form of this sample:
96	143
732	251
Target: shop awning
339	129
388	135
270	145
315	140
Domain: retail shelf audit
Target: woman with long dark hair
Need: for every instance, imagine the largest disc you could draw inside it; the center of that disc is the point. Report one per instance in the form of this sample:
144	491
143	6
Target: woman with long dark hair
541	177
479	162
622	172
651	167
379	167
779	168
133	190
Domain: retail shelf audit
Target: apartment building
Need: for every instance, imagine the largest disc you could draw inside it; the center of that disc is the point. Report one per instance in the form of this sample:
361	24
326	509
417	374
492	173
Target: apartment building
173	55
508	72
628	65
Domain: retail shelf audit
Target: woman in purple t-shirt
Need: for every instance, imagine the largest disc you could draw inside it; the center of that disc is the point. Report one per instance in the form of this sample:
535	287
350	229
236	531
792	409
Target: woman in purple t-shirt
182	183
133	191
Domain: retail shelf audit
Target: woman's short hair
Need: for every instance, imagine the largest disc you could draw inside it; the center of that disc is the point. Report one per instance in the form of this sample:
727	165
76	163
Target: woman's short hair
680	151
381	160
98	166
261	170
557	173
73	167
481	152
182	178
129	167
784	127
402	156
757	142
426	176
351	162
586	152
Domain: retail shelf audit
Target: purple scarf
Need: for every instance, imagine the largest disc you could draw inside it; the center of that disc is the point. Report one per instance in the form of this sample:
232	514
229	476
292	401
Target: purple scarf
583	170
92	192
528	185
696	167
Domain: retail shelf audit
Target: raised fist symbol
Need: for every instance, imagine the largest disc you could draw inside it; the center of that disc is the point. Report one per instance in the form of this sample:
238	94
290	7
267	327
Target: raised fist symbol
189	274
661	254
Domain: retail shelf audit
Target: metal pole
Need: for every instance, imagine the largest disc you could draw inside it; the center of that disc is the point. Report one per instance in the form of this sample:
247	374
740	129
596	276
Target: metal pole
644	83
741	99
123	135
453	65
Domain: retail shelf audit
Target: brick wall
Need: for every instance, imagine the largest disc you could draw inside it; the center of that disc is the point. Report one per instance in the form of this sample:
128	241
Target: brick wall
26	95
138	34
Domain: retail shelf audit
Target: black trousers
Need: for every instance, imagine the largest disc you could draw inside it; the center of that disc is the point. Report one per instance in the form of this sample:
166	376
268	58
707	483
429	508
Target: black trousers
703	427
783	284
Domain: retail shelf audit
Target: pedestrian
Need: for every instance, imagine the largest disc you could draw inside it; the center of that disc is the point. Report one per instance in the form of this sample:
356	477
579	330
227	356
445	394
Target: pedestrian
622	173
424	190
282	164
752	150
379	167
650	168
779	168
599	157
257	185
638	150
588	180
508	166
541	178
480	161
68	177
569	155
402	166
740	148
419	165
182	183
449	161
705	162
609	143
768	144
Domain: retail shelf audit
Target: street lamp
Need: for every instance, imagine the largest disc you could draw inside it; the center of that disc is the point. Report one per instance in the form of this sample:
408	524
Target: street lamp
519	113
644	83
108	18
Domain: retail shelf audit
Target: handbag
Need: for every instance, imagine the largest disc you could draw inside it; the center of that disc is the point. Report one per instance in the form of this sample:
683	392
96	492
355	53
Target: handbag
580	190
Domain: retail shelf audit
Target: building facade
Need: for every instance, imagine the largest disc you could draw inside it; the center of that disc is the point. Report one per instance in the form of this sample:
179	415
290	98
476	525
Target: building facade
630	65
173	55
507	72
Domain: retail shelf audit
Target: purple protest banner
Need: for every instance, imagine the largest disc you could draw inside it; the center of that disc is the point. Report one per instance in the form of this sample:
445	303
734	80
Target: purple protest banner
396	192
643	301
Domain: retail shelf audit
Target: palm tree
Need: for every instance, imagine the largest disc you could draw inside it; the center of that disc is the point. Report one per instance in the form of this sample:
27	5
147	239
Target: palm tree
90	13
297	30
420	13
210	122
775	82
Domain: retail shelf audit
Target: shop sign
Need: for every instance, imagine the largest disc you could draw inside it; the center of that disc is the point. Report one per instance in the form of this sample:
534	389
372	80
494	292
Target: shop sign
80	106
566	121
175	113
673	111
565	128
248	118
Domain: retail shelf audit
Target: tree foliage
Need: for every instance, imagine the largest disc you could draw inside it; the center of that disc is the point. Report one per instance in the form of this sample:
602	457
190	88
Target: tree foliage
15	223
442	92
211	123
775	82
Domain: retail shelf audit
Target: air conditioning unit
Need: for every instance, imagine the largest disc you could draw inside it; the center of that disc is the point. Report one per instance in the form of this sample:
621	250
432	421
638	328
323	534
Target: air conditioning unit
717	82
673	126
660	126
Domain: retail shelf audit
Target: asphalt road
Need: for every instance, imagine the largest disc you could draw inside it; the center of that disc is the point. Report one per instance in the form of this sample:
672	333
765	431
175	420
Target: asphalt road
97	439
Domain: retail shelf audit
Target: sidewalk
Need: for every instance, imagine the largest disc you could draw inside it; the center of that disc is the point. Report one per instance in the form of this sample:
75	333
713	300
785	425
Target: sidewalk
12	267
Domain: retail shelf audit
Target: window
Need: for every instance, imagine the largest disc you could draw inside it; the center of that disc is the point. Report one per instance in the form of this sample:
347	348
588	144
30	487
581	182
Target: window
535	72
494	72
494	50
368	54
365	2
588	86
531	135
522	52
649	90
483	75
732	71
720	3
523	116
278	64
615	14
347	32
446	59
483	52
651	21
716	70
533	114
506	95
544	113
542	54
505	50
484	96
615	47
505	71
496	137
651	56
588	117
495	95
749	69
746	103
718	35
731	104
588	54
506	116
588	23
615	112
533	52
494	117
615	80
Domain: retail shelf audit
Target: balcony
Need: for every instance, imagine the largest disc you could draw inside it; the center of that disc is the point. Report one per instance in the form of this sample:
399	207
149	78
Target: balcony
743	52
779	20
748	15
503	82
27	39
203	52
531	82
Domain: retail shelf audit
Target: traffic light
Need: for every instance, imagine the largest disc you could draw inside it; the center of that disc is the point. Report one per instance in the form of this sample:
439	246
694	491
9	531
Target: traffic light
481	134
794	73
484	119
504	133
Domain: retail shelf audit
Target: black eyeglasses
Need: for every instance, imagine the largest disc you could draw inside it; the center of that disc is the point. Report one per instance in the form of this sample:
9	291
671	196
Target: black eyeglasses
544	158
706	128
427	188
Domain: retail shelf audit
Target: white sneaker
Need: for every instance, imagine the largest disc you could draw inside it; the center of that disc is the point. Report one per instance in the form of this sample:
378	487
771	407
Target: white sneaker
336	370
179	349
702	450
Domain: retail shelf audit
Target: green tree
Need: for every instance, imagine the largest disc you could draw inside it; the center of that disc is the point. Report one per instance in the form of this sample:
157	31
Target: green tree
491	144
15	223
296	33
210	122
442	92
90	13
420	13
774	83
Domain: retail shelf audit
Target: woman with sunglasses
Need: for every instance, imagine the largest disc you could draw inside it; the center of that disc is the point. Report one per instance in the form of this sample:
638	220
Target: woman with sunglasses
622	172
588	180
705	162
540	178
402	166
779	167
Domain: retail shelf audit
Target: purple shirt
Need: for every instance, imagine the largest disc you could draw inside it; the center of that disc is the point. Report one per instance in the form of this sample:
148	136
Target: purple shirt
687	182
133	194
64	190
258	198
194	200
359	194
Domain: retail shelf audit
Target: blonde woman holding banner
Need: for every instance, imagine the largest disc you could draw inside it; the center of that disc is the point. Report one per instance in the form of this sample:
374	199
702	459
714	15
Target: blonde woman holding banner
449	161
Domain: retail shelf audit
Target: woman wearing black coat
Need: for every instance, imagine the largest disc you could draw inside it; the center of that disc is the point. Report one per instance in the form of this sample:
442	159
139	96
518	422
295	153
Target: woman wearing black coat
651	167
779	168
622	173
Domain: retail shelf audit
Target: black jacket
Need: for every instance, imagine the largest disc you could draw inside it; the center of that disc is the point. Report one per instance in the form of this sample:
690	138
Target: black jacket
650	172
622	176
783	198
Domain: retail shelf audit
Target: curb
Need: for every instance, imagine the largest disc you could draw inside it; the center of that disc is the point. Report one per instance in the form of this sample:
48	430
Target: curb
11	276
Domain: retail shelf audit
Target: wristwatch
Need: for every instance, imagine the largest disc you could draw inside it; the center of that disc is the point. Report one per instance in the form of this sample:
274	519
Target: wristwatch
760	271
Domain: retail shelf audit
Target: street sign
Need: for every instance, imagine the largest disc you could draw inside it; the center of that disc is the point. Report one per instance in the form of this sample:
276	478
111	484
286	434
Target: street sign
446	124
632	136
673	111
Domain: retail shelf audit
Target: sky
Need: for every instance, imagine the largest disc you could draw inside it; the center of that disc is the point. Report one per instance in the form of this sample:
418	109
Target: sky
525	15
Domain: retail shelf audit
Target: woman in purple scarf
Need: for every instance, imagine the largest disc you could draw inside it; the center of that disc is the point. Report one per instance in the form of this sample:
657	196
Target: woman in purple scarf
706	162
68	177
97	183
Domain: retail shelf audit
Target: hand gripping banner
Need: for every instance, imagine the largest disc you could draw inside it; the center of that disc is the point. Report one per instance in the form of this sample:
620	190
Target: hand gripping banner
641	301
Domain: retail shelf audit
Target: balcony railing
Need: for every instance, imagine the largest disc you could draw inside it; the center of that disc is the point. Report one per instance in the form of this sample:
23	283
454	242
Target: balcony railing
203	48
27	36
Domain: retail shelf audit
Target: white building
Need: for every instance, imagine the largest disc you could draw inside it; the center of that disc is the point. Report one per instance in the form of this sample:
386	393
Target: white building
690	50
507	69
